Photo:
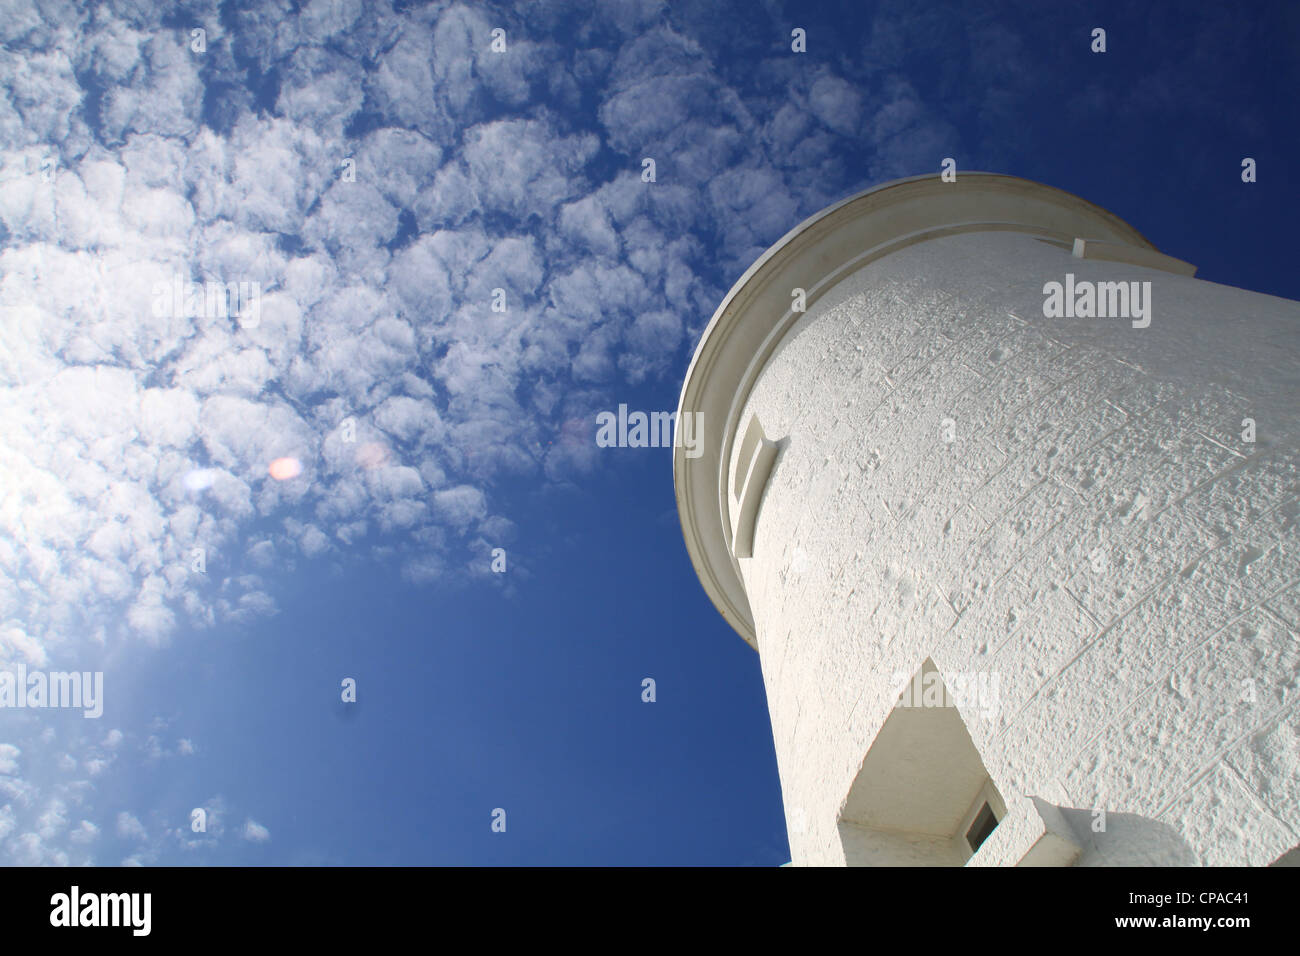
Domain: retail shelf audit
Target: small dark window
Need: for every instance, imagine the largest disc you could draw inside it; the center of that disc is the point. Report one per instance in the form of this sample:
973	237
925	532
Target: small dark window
985	823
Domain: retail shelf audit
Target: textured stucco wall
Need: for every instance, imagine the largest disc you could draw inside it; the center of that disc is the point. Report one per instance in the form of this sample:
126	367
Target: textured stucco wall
879	544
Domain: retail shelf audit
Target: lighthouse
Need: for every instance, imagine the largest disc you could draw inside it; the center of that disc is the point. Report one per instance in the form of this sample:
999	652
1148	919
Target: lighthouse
1008	503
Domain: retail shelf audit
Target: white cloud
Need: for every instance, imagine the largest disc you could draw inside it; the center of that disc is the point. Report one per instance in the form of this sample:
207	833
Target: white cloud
17	642
323	19
836	103
522	166
460	506
587	221
254	832
42	94
129	827
163	97
53	820
408	418
403	85
9	755
85	832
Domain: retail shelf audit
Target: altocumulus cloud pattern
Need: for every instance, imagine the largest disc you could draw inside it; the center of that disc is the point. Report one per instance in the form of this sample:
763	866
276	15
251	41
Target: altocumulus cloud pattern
457	255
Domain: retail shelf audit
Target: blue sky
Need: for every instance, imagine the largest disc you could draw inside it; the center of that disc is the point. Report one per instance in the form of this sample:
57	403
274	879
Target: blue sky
128	437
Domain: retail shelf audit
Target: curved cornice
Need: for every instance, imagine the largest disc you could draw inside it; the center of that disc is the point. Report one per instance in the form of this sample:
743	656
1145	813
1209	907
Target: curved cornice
814	256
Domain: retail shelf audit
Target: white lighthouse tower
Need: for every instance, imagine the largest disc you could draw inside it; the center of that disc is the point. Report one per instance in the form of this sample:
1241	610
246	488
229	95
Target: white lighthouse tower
1007	502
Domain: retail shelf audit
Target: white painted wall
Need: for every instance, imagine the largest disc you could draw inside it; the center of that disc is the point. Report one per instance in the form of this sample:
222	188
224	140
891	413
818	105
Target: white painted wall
878	544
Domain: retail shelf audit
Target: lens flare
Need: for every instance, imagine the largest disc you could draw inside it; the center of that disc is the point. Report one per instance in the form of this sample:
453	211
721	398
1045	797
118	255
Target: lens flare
199	479
282	469
372	455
